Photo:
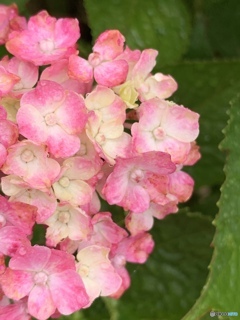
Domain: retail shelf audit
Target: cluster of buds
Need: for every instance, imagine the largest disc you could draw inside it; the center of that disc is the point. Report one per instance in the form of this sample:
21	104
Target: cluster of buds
74	131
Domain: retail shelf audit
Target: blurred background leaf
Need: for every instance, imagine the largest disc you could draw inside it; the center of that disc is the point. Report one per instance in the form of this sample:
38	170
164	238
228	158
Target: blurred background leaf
162	25
216	29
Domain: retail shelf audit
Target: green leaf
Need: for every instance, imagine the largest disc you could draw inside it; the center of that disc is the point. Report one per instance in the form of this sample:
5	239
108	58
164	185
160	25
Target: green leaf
171	280
207	88
216	29
75	316
221	290
163	25
223	26
97	311
21	4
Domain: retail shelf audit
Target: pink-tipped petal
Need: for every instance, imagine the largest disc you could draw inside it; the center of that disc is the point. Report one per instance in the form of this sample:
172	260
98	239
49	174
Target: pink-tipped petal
111	73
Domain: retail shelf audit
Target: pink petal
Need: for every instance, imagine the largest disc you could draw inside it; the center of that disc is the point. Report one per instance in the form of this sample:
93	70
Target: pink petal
159	85
136	248
16	284
144	65
136	199
31	124
46	97
22	215
68	292
181	185
62	144
15	311
80	69
66	32
111	73
139	222
40	302
177	149
181	123
109	44
123	273
72	114
8	132
33	259
59	261
151	113
12	239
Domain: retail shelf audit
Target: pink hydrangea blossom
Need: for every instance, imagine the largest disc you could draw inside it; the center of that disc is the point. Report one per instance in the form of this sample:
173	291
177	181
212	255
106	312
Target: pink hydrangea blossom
135	249
104	232
105	123
77	136
53	116
104	64
48	278
45	40
73	184
26	74
158	85
97	272
30	162
67	221
140	83
18	190
125	186
167	127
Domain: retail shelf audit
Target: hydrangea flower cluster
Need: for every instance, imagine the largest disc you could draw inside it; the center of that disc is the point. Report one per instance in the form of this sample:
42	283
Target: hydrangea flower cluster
74	135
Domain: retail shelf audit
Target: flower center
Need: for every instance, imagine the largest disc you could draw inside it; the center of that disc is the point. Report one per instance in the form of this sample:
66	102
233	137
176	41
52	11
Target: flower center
2	221
128	93
64	216
159	133
64	182
94	59
136	175
46	45
50	119
27	156
41	278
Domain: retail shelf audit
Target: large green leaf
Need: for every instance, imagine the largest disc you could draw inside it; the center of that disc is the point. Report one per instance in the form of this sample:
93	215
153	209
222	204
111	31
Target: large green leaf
221	292
207	87
171	280
216	29
163	25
